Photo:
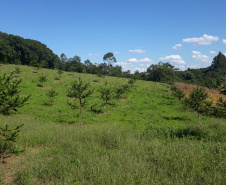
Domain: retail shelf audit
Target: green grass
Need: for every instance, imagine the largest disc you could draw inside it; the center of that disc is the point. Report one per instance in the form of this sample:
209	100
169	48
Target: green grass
148	139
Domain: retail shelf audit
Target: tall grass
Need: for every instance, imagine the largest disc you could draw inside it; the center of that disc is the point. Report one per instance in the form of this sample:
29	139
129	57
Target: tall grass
148	139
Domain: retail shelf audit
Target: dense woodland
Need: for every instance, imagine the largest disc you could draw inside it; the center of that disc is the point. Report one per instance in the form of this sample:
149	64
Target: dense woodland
17	50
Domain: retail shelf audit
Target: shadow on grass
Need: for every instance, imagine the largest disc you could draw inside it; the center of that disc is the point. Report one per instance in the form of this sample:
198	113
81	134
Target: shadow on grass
176	118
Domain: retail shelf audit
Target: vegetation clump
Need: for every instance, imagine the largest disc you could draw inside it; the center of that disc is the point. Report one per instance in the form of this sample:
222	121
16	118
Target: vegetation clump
10	99
8	138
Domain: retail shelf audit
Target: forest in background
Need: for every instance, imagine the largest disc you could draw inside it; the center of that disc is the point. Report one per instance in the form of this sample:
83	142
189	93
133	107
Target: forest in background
17	50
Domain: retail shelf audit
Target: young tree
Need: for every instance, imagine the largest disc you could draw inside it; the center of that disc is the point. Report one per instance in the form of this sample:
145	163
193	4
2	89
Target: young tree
51	94
177	92
106	94
79	90
42	79
7	141
197	100
10	99
119	92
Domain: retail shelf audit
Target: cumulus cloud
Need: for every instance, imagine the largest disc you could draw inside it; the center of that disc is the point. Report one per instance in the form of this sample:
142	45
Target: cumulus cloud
133	64
132	60
204	40
140	69
224	41
176	46
145	60
93	54
199	56
174	59
213	52
224	54
139	51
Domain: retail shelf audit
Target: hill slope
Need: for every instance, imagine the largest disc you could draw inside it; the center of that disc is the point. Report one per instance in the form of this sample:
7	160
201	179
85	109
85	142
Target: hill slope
144	140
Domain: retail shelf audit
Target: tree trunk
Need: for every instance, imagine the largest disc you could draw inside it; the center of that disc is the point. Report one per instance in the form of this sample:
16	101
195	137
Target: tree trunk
106	108
81	112
199	117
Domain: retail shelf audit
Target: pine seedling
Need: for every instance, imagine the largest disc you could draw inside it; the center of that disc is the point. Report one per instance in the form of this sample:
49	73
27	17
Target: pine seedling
79	91
51	94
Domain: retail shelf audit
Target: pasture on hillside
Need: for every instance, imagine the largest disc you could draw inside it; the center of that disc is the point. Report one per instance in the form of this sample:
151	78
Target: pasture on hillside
147	138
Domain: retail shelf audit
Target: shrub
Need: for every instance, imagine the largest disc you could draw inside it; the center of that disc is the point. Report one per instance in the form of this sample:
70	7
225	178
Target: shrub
9	94
7	141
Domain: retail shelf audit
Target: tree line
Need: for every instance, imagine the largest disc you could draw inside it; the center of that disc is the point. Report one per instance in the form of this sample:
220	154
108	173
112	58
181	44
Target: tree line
16	50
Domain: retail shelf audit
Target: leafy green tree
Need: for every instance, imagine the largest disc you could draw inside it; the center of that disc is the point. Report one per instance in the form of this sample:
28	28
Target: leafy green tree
79	91
197	100
51	94
10	99
110	58
106	93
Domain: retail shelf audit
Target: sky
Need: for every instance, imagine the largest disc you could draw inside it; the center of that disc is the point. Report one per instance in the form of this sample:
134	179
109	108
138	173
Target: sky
186	33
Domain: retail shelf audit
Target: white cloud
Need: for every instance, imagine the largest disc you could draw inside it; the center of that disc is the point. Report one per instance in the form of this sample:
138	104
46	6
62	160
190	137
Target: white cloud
193	66
224	41
145	60
199	56
176	46
174	59
133	64
125	65
213	52
224	54
204	40
140	69
116	52
139	51
132	60
93	54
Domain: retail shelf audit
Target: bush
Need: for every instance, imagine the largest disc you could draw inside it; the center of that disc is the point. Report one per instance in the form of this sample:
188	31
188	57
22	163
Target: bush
7	141
9	94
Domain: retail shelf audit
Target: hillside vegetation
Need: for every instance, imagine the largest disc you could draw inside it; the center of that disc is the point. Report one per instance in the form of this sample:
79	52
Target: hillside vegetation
17	50
147	138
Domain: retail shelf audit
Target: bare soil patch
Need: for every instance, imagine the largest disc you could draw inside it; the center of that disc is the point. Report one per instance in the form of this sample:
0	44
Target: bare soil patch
214	95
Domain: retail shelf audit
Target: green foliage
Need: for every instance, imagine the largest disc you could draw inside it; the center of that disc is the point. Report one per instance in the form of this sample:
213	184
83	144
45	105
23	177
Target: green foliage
131	82
8	138
220	109
109	57
118	148
17	70
42	79
10	99
79	90
51	94
197	100
106	94
60	72
17	50
119	91
177	92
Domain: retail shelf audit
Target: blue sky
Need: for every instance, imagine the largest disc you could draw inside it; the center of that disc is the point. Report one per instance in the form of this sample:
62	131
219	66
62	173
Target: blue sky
186	33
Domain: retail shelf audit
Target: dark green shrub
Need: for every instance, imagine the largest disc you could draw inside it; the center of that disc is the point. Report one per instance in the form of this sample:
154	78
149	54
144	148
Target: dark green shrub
7	141
191	131
51	94
10	99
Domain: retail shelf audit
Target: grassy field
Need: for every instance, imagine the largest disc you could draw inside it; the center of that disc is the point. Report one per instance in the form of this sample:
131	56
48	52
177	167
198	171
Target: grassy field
148	139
